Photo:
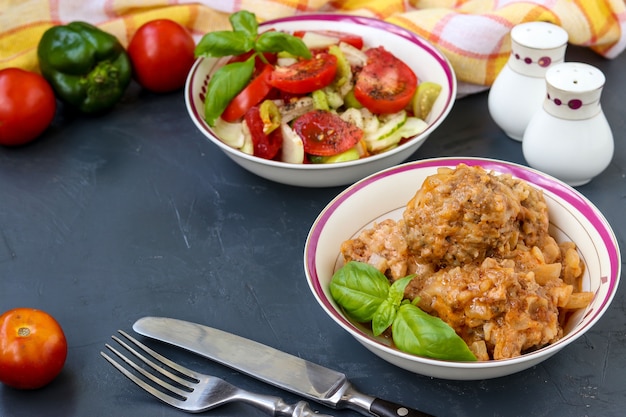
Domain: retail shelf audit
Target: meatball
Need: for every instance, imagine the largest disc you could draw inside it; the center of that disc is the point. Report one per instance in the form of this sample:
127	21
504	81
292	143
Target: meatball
382	246
462	216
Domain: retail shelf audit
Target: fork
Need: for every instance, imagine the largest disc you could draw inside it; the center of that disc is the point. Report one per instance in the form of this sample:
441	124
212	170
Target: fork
195	392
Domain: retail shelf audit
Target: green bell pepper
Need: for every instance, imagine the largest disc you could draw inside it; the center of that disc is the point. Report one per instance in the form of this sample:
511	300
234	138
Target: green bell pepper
87	67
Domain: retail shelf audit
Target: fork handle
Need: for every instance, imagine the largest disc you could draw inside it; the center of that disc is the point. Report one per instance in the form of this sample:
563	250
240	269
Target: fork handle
275	406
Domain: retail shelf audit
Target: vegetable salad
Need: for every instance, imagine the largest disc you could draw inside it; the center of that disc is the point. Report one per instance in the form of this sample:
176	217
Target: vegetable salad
310	96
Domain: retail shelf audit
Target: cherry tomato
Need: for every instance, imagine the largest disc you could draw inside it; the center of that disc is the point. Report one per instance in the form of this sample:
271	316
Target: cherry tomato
306	75
265	145
324	133
33	348
385	84
250	96
354	40
27	106
162	53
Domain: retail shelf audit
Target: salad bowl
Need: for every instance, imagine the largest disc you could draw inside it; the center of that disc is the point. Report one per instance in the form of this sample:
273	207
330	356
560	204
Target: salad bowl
422	57
384	195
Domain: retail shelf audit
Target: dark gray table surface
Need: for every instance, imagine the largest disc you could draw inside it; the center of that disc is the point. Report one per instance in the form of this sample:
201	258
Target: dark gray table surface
107	219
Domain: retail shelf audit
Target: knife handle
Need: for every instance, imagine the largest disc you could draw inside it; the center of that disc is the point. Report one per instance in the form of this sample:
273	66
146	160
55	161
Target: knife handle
383	408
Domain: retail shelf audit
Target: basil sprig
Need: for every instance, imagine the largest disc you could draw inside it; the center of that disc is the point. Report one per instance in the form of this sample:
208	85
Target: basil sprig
230	79
366	295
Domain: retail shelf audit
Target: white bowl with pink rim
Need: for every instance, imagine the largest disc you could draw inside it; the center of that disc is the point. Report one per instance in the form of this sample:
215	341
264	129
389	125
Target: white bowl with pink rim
424	58
385	194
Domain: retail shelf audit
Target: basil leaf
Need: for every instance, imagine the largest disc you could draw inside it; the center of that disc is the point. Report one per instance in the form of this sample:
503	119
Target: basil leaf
383	317
224	85
244	22
273	41
386	312
360	289
223	43
417	332
396	292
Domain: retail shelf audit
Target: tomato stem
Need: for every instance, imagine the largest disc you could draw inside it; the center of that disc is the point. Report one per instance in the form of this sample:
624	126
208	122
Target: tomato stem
23	332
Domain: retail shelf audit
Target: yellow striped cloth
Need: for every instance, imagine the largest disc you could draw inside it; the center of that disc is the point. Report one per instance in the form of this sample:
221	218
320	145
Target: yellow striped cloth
473	34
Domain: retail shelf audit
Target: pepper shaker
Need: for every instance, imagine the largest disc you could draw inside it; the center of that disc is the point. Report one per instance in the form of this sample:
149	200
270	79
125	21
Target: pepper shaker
519	88
569	137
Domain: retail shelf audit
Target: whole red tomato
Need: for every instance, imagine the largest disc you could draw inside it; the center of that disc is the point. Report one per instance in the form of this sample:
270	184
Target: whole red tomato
162	53
27	106
33	348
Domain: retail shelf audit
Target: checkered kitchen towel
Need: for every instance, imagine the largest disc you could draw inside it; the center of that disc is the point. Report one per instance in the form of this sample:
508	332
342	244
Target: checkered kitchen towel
473	34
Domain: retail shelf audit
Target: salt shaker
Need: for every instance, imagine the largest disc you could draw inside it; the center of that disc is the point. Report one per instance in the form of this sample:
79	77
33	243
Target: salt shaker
569	137
519	88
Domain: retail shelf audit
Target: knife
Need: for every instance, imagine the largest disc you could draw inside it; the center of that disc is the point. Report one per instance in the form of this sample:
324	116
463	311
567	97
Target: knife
270	365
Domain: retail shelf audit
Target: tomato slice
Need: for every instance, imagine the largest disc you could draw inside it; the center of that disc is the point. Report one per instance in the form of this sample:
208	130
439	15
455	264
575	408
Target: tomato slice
251	95
385	84
306	75
349	38
324	133
265	146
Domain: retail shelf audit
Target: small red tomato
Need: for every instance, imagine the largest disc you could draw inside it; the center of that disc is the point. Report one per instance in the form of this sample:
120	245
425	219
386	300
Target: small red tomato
27	106
162	53
33	348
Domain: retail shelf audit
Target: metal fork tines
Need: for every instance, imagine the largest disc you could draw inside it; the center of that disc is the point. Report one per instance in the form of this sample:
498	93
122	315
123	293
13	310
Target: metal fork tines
192	391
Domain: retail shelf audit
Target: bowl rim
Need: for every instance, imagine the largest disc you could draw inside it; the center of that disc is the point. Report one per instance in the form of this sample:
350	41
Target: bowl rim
369	22
534	177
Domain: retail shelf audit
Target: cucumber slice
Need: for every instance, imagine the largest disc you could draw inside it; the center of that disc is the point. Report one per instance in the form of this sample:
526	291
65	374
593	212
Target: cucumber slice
320	100
351	154
413	126
344	72
351	101
392	123
334	98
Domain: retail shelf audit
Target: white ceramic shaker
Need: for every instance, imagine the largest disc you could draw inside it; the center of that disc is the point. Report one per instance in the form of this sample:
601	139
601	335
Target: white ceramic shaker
569	137
519	88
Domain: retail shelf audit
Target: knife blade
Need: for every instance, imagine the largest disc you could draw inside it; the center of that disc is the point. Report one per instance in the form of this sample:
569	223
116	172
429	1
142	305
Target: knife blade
283	370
